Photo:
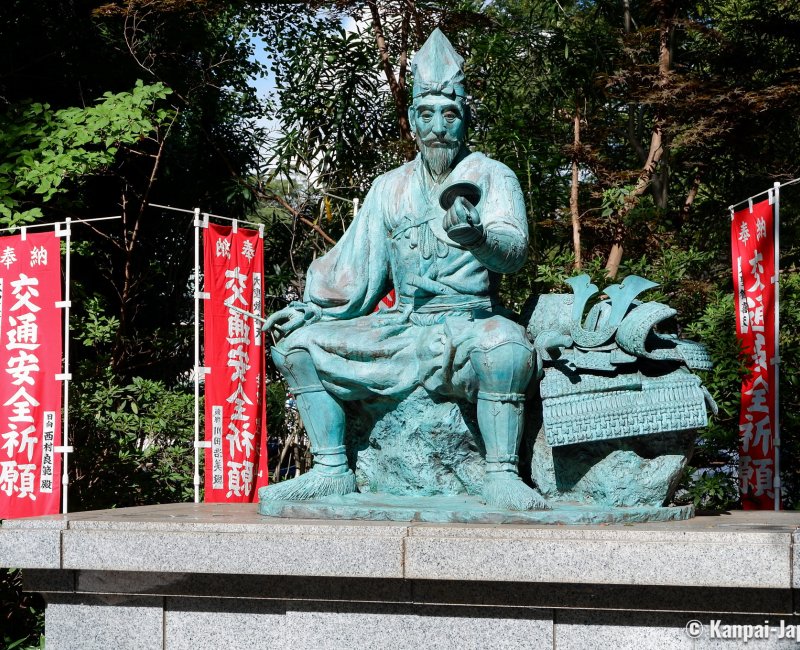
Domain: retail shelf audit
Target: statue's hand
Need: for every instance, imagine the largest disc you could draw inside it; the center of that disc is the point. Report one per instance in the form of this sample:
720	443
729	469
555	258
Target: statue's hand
290	318
462	223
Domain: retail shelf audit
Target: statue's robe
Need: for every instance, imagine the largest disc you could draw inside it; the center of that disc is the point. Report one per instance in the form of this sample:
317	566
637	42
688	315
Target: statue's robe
446	296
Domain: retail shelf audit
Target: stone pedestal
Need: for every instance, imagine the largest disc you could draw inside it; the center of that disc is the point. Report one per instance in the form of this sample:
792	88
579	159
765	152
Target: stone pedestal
221	576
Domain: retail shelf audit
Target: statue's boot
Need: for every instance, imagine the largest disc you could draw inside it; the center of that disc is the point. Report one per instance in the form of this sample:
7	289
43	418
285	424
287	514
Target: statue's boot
502	424
323	417
504	368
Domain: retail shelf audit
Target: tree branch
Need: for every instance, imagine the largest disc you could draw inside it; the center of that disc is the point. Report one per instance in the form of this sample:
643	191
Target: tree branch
296	214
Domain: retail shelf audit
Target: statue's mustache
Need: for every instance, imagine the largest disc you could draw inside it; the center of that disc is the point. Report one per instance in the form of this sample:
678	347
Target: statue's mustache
434	140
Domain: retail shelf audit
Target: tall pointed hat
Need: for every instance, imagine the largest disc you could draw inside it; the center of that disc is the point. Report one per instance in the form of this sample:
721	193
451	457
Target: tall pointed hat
438	68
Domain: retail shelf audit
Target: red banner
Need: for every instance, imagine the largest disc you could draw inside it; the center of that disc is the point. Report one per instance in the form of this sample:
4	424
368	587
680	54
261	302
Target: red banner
387	301
236	462
753	251
30	359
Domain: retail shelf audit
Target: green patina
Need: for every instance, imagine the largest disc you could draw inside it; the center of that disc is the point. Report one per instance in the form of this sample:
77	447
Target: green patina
448	394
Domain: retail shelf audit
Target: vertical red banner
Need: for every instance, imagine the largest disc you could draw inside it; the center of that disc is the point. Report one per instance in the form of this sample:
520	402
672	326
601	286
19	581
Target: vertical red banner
30	359
387	301
236	461
752	246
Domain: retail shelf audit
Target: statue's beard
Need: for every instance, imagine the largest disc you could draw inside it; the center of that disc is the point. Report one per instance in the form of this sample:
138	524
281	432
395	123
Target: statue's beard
438	158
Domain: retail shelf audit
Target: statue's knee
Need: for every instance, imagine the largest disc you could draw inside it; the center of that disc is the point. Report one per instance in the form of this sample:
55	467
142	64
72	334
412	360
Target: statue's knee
504	360
498	330
297	367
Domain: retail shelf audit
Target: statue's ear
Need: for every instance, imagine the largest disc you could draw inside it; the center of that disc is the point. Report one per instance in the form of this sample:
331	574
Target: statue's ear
412	123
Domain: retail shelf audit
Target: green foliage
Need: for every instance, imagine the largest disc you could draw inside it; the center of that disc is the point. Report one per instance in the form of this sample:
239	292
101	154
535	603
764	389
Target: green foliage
614	198
334	106
133	437
558	265
276	412
22	622
97	330
133	442
42	149
712	491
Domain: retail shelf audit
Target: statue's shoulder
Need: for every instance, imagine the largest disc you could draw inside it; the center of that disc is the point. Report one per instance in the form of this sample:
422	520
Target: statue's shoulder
485	166
397	176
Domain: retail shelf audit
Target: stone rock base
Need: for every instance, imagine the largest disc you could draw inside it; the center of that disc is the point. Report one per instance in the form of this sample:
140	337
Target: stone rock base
420	446
428	447
638	471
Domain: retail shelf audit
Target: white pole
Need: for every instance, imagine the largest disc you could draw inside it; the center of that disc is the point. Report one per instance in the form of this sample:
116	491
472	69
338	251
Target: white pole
197	355
776	362
65	377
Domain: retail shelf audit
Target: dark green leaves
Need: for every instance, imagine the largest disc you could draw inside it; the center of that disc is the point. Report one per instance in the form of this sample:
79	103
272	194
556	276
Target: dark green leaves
42	150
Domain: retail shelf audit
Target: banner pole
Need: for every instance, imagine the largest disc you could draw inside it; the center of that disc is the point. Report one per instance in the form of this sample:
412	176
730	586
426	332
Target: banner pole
67	377
776	362
197	355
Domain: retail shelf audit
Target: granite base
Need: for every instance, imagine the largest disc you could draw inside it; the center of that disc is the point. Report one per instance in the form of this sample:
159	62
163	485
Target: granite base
222	576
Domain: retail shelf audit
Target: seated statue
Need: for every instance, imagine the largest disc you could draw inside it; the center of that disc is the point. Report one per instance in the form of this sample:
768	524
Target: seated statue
439	230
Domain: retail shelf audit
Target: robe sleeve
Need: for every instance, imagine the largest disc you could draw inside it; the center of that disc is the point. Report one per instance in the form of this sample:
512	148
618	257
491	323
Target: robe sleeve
350	279
505	224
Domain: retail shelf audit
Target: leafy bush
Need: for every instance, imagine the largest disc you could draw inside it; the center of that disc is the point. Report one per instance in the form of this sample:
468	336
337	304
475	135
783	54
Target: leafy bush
133	443
21	614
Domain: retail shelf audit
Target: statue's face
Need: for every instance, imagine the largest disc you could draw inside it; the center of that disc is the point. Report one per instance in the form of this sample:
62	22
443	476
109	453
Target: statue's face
440	127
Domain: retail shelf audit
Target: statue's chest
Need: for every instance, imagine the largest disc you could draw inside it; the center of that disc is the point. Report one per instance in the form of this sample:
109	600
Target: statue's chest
411	226
413	241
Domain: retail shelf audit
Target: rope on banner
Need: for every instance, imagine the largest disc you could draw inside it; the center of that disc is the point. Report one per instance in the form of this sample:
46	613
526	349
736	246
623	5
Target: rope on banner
206	215
72	220
774	188
234	222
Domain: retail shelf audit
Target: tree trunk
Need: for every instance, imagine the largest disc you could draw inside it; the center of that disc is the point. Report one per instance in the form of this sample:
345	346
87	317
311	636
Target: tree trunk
690	197
626	9
614	258
654	155
573	195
